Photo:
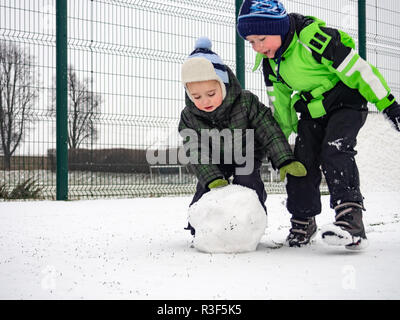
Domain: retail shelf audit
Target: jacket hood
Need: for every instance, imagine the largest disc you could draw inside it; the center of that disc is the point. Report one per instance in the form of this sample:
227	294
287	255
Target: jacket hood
233	91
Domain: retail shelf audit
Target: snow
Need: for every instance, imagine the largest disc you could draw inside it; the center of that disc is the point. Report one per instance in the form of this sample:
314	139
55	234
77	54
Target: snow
336	236
378	155
138	249
228	220
337	143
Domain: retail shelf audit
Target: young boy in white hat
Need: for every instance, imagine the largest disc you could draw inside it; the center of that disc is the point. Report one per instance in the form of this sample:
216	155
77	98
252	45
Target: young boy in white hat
215	100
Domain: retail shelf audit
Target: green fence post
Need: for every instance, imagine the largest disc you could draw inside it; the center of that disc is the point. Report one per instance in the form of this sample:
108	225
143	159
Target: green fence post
62	100
362	29
240	60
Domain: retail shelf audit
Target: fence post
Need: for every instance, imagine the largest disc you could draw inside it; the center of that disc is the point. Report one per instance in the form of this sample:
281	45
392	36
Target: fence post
362	42
62	100
240	60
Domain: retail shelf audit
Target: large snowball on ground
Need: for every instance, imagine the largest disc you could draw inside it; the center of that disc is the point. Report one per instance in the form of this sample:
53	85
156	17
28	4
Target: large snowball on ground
228	220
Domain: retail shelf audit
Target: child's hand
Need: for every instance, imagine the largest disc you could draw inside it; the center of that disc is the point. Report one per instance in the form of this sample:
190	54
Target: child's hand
218	183
393	113
294	168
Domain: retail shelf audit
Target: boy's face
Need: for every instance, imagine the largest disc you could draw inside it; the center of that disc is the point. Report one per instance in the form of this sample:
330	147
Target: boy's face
265	44
207	95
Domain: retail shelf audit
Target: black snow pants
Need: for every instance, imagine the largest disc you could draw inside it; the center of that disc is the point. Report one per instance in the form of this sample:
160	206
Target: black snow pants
252	181
328	143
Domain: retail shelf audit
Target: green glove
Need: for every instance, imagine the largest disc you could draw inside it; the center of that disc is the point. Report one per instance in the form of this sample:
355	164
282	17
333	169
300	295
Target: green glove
294	168
217	183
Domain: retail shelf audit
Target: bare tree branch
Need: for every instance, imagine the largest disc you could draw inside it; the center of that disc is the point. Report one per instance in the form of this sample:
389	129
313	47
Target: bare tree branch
17	97
83	106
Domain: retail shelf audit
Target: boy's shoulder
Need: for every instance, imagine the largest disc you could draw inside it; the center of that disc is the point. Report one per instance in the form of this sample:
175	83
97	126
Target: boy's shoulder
247	97
317	36
248	101
247	94
300	21
185	113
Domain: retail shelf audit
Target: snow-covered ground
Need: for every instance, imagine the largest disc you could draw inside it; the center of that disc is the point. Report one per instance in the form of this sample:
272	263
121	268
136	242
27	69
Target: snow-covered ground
137	248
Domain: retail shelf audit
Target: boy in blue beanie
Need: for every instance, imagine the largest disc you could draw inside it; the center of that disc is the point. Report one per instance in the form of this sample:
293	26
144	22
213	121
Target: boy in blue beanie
314	70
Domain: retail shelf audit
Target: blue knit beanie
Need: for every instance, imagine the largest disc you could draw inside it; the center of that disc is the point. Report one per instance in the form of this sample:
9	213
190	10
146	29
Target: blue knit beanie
202	49
262	17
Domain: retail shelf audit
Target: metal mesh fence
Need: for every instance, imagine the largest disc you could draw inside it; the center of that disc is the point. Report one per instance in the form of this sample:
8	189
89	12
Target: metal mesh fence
125	95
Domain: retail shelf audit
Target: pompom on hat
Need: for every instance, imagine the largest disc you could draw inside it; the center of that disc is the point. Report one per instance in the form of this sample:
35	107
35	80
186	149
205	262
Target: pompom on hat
203	65
265	17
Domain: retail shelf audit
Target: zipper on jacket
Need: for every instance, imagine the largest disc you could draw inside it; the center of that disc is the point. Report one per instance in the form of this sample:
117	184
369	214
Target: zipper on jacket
278	76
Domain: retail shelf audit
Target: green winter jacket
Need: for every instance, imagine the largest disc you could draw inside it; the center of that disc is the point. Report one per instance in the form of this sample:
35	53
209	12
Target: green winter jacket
314	60
239	110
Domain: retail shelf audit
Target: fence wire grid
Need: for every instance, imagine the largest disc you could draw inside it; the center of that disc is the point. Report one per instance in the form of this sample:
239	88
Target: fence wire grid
124	89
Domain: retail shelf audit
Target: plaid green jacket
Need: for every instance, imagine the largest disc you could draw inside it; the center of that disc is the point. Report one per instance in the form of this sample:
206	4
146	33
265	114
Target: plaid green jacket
240	110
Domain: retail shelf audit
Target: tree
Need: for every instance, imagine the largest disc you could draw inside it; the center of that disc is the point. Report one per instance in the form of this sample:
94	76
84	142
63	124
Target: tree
17	97
83	110
83	106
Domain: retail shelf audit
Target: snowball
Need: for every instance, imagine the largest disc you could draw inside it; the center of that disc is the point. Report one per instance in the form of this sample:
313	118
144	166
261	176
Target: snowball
228	220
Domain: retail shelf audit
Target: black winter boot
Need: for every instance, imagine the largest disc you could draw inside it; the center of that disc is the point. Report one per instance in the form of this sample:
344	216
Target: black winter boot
348	229
302	231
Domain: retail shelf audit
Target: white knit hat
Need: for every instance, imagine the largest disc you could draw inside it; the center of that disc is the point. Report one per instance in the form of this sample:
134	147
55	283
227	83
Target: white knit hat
202	65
